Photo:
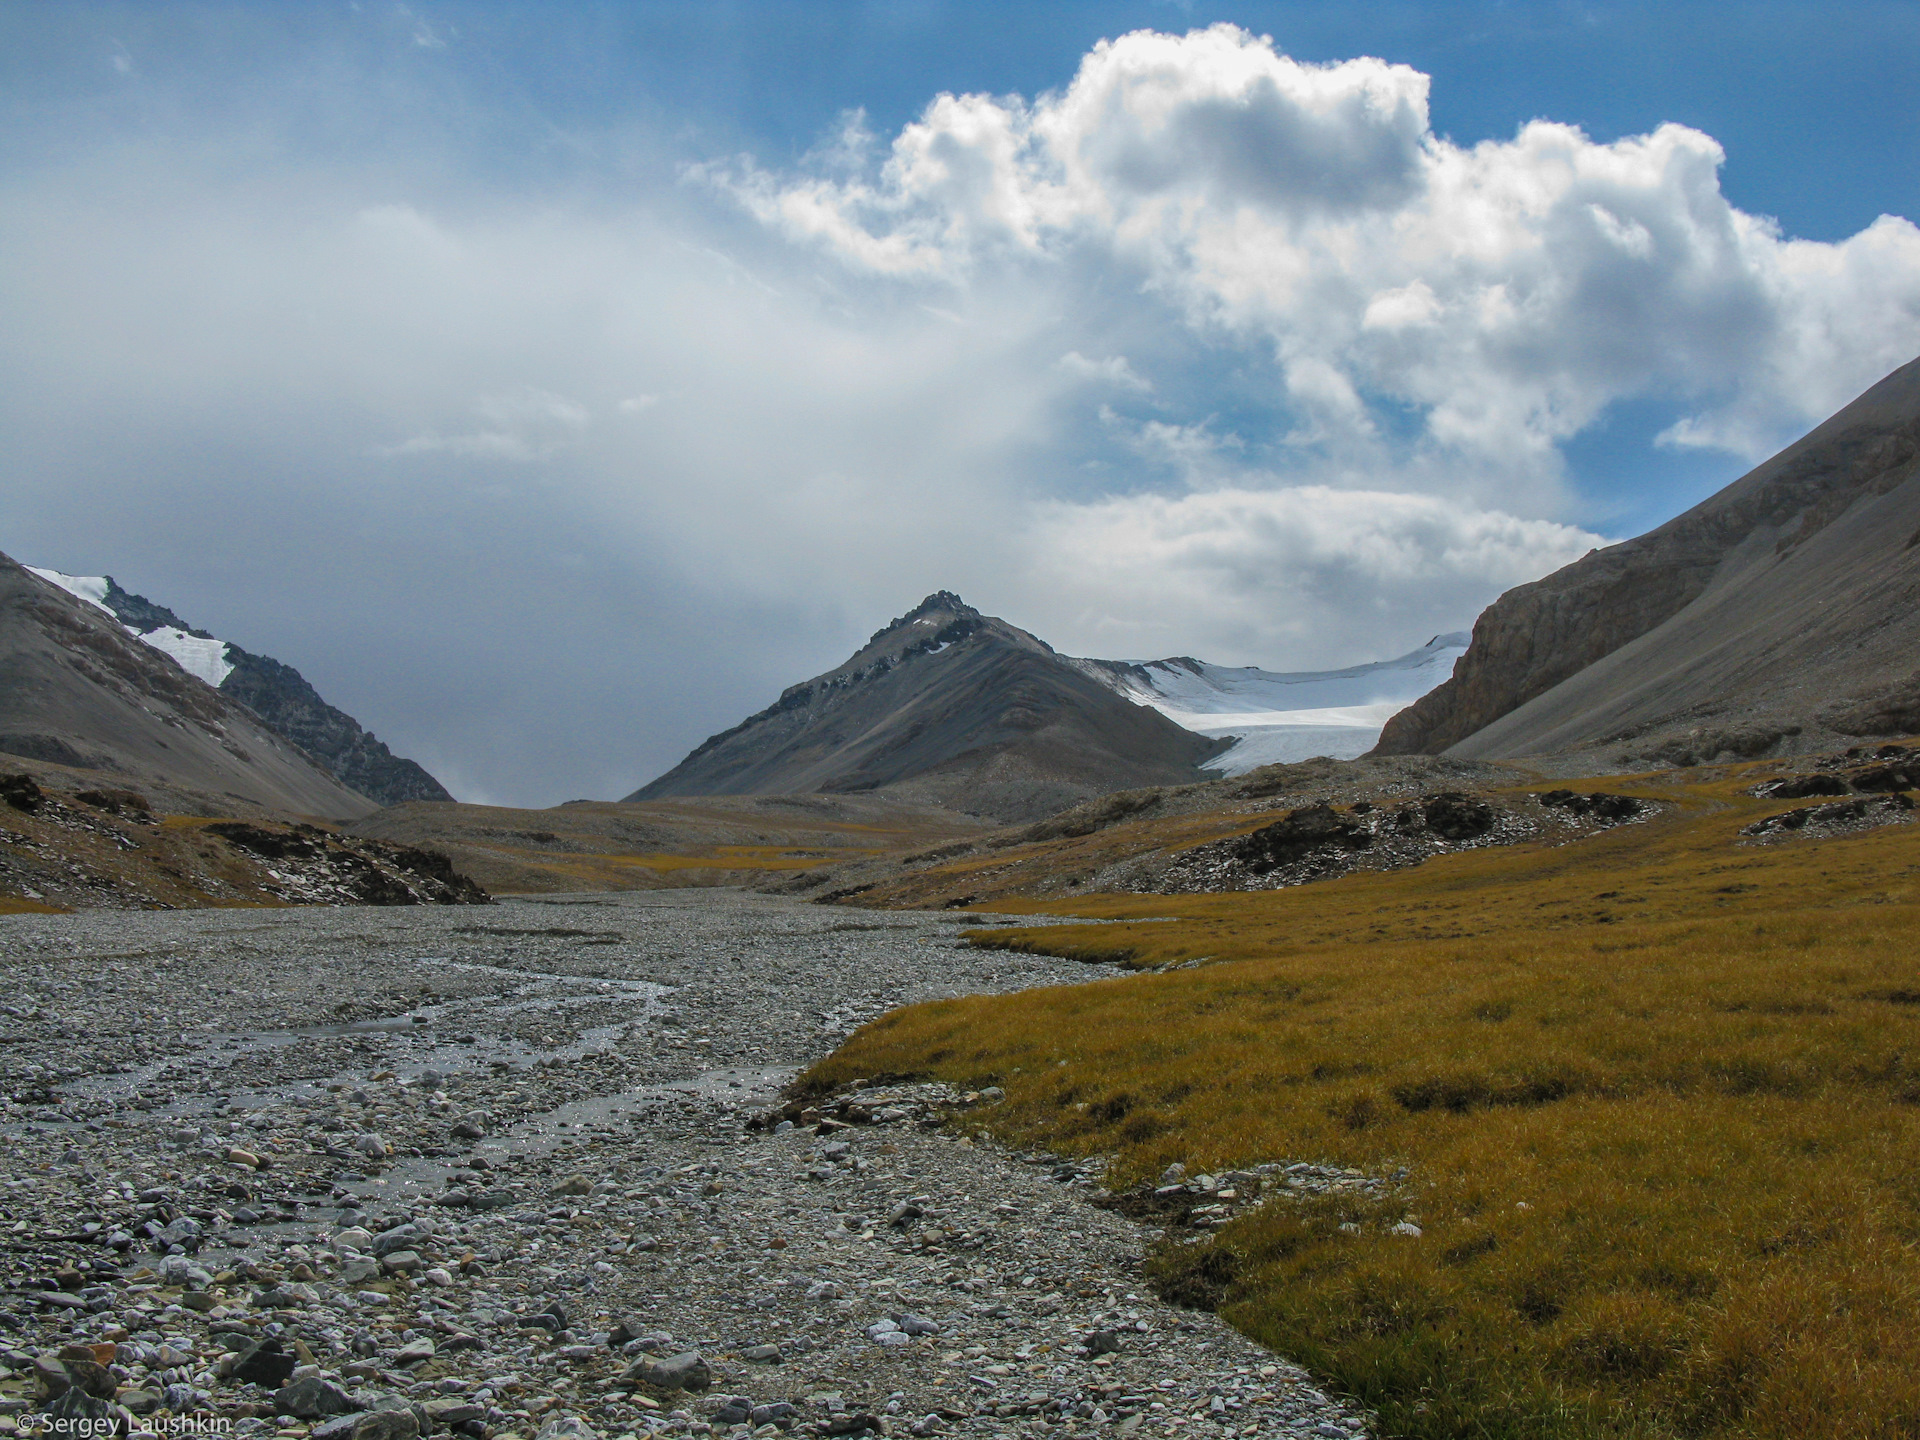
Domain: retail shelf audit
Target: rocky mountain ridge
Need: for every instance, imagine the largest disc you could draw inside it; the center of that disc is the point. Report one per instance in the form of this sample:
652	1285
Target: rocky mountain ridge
274	691
1782	611
77	690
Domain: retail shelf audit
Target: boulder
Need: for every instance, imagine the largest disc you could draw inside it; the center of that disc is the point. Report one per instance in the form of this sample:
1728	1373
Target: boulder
386	1425
686	1371
264	1363
312	1398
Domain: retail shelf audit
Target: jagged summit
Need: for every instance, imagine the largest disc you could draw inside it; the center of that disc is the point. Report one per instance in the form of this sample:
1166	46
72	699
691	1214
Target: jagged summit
940	620
941	605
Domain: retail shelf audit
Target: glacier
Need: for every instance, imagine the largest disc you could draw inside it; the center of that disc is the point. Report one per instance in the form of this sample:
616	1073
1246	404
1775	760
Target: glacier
1277	716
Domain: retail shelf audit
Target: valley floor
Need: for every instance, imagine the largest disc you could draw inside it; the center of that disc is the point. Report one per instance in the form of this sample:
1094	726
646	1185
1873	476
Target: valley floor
217	1119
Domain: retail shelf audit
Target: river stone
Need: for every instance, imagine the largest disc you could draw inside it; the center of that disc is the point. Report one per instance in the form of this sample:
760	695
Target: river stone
76	1404
265	1363
313	1399
414	1352
92	1377
401	1237
386	1425
686	1371
54	1378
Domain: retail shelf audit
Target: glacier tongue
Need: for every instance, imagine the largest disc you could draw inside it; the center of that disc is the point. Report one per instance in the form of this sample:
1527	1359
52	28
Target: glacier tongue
1283	716
203	658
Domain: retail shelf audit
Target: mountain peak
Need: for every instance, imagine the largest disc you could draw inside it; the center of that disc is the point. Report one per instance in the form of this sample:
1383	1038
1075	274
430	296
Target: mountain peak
939	602
961	708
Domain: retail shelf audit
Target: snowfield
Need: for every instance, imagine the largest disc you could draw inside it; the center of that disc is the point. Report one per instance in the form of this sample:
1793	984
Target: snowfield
1280	716
202	658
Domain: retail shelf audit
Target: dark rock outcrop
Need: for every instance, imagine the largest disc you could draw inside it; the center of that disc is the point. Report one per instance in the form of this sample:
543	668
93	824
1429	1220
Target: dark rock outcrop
372	872
136	612
1454	816
1840	816
1303	832
1880	779
21	793
1603	806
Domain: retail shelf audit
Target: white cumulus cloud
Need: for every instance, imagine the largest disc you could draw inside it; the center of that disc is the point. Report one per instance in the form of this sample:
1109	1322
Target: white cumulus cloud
1509	290
1113	370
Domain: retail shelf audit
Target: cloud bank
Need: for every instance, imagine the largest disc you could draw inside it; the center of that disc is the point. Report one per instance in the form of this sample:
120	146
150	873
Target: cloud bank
1209	352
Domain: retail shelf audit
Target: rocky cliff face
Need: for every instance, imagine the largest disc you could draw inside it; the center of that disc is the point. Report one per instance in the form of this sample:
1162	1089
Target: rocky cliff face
953	707
1808	542
281	696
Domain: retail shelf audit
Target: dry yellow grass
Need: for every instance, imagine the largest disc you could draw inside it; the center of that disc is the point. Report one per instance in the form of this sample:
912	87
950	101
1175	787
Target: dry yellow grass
526	869
733	857
718	840
1657	1095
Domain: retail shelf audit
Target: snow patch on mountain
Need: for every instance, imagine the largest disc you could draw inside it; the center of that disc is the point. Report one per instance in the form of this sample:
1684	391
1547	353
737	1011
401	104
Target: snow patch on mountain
1282	716
90	588
200	656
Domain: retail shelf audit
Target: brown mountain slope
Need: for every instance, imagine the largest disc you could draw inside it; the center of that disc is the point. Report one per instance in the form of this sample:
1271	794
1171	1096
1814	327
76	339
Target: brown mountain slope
952	707
1783	610
77	690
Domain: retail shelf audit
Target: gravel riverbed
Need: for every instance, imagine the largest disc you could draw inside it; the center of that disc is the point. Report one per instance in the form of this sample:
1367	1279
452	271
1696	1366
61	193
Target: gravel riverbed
377	1173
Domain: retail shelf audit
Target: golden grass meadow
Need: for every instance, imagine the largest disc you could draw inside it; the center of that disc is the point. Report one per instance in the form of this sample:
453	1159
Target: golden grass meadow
1656	1094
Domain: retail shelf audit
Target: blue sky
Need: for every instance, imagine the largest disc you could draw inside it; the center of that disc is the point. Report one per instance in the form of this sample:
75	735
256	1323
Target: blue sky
553	384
